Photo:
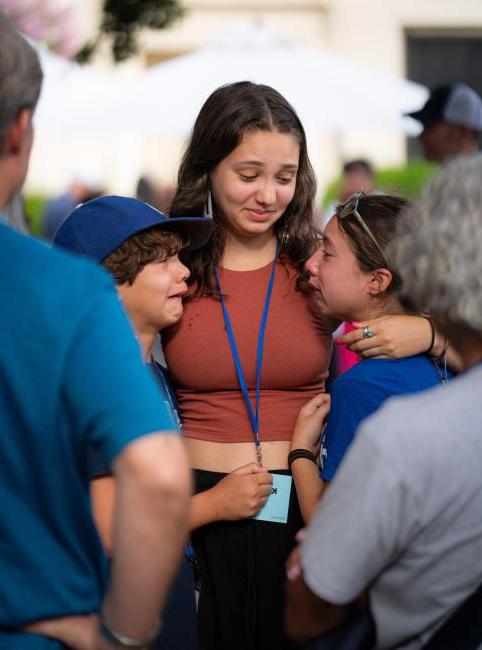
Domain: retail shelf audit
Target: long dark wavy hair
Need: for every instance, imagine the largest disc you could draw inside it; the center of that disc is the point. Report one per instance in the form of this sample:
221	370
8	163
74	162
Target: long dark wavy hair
229	113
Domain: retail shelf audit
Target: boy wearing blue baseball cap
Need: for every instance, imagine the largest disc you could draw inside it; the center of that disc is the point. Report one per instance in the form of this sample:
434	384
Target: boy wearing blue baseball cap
140	247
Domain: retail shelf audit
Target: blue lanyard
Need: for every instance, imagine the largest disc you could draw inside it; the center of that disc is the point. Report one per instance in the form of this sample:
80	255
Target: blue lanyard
253	414
169	399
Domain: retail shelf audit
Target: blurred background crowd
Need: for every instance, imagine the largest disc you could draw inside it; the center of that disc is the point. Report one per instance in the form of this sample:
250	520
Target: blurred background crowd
119	122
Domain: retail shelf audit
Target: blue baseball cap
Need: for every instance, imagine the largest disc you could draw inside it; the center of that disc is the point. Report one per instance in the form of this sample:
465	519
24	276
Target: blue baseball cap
96	228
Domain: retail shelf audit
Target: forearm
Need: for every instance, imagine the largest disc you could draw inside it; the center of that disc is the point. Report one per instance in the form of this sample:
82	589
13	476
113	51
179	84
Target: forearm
75	632
150	525
441	347
307	616
102	494
309	486
202	510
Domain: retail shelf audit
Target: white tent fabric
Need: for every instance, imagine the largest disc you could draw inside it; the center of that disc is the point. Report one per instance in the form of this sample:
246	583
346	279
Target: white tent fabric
329	94
73	95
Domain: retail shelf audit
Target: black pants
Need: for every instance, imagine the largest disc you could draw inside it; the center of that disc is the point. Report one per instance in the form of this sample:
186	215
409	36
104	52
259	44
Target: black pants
242	565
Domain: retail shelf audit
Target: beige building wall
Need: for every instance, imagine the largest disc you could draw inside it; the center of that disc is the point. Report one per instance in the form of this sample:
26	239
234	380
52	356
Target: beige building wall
367	32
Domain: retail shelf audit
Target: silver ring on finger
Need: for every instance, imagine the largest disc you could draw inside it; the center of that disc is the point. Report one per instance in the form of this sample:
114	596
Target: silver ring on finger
367	332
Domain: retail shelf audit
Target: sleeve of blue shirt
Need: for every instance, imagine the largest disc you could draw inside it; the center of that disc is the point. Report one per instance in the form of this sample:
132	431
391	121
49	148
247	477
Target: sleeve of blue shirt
97	466
108	389
352	400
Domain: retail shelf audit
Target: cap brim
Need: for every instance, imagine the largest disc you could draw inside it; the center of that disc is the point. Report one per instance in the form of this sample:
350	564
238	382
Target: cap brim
426	118
417	115
196	230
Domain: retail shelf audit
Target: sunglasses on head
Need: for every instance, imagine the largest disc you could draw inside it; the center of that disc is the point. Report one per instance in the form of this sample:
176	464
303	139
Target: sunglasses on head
350	208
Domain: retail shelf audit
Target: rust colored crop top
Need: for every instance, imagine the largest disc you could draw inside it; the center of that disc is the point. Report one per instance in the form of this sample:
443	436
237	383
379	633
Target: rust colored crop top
295	361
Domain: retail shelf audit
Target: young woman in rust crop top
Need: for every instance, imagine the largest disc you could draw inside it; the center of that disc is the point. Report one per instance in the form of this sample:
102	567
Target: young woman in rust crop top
246	166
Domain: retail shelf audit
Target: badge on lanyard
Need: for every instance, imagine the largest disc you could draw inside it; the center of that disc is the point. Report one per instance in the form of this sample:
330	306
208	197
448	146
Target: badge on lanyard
276	507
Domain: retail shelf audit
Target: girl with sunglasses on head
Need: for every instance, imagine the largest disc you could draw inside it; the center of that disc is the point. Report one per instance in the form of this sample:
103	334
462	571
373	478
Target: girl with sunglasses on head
249	350
352	280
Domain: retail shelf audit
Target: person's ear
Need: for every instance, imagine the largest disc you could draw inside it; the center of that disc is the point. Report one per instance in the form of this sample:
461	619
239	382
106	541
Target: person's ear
456	135
465	133
380	281
18	132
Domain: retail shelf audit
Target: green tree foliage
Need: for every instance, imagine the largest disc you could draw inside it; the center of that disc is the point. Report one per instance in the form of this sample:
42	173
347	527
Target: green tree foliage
121	21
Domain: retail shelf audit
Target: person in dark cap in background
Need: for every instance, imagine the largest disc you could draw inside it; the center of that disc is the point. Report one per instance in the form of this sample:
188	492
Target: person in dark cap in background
451	120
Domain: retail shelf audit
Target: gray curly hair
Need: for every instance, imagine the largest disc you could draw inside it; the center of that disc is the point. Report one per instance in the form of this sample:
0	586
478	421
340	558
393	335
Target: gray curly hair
438	247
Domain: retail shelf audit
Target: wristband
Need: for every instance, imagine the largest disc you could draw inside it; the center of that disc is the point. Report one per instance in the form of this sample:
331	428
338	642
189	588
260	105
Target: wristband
432	337
301	453
122	641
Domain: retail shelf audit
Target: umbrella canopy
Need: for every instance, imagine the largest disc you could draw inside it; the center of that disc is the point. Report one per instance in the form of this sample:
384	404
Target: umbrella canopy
73	95
328	93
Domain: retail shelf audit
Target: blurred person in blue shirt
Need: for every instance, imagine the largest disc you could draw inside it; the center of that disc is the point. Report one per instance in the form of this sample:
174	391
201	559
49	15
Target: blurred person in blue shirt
85	186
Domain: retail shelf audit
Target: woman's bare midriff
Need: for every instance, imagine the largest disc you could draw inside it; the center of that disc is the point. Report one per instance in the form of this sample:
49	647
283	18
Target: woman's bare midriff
224	457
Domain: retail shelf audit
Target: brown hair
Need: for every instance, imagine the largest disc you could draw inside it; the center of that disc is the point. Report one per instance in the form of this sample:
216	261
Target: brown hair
381	213
151	245
229	113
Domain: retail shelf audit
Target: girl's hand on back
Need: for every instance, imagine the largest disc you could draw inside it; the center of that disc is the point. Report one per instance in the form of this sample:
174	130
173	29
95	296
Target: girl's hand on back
242	493
394	337
310	422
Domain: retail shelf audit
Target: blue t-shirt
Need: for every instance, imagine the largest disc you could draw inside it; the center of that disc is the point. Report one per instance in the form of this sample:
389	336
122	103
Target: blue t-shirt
71	376
360	391
97	466
56	213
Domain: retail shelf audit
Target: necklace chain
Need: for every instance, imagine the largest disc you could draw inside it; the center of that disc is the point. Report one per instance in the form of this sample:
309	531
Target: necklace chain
442	372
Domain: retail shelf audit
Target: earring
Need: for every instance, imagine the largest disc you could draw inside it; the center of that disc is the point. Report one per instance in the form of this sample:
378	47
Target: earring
284	237
208	206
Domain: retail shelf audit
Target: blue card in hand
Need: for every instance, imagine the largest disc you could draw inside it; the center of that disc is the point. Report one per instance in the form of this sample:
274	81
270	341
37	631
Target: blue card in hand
276	507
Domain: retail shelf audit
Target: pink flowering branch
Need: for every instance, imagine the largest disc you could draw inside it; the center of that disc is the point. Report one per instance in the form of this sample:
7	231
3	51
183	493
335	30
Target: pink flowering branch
44	20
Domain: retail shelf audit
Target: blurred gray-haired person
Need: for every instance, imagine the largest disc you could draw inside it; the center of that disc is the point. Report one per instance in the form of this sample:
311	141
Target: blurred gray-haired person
402	520
71	375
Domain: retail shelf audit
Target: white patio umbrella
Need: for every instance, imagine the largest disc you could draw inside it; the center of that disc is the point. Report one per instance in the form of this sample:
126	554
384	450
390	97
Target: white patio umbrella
73	96
328	93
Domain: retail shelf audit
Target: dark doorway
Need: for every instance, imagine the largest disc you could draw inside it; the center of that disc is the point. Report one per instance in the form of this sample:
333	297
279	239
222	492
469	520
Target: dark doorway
435	57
